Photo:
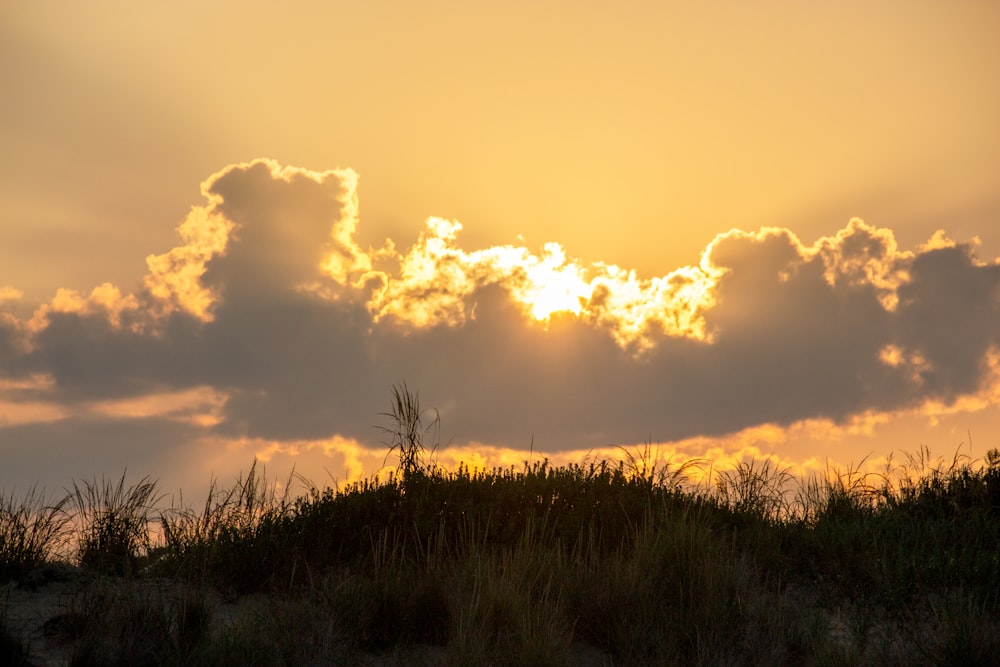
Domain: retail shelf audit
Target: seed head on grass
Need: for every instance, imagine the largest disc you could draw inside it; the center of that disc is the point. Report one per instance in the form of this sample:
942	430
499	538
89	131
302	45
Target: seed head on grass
407	429
842	494
755	487
649	465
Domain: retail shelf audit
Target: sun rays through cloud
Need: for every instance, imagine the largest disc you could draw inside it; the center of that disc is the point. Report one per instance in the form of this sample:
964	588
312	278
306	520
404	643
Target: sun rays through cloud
271	331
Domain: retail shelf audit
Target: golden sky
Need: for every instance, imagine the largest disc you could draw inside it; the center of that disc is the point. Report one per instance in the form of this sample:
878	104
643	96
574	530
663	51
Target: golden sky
170	302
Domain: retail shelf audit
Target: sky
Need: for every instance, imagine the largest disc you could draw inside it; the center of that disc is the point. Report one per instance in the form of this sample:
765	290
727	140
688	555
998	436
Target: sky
577	229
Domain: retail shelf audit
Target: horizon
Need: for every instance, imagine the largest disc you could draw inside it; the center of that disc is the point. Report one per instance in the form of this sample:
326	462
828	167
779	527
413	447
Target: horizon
574	233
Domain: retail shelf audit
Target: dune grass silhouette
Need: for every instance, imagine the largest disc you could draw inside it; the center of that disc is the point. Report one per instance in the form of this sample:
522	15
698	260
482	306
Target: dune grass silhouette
601	562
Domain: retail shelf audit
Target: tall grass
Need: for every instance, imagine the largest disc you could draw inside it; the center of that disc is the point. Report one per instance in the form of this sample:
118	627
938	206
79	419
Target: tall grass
408	426
755	487
32	531
114	523
627	561
236	543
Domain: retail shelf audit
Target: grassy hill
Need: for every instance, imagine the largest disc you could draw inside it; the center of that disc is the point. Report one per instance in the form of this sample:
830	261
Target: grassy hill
603	563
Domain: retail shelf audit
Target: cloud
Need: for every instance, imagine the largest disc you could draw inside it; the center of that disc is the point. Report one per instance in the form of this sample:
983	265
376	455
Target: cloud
270	323
948	315
8	293
53	453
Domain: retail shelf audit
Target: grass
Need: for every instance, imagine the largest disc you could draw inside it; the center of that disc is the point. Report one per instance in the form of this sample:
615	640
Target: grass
113	532
32	529
624	563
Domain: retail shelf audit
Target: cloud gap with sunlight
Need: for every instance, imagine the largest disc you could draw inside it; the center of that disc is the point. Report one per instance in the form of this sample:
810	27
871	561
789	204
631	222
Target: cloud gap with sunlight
270	330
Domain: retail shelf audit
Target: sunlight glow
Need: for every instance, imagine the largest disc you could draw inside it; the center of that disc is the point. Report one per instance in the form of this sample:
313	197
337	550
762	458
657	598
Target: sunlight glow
174	278
199	406
8	293
105	299
553	286
436	279
861	254
435	282
22	401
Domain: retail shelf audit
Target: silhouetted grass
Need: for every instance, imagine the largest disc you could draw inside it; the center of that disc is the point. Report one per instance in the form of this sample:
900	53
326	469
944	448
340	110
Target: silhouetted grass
240	542
32	530
113	533
629	562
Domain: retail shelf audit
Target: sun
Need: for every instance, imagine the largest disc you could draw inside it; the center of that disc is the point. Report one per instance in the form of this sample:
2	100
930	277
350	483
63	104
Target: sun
437	281
554	285
559	293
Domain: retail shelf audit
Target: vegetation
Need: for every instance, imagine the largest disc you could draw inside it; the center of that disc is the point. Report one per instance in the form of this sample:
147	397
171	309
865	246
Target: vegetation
30	528
627	563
